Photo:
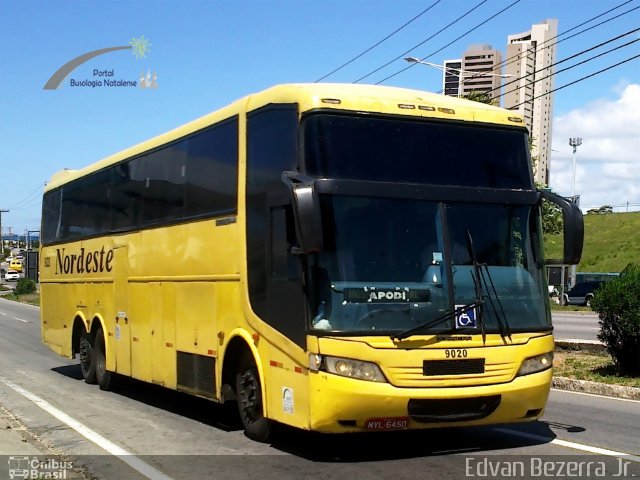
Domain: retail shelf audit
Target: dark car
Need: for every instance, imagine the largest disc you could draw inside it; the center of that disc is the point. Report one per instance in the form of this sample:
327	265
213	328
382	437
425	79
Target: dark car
581	293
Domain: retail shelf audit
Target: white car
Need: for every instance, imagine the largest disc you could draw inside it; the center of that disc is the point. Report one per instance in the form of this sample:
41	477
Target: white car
11	276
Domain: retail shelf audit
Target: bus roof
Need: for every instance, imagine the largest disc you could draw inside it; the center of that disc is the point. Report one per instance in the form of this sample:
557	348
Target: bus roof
310	96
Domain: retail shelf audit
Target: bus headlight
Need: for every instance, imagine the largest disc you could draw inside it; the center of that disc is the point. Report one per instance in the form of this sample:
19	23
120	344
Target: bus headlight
347	367
536	364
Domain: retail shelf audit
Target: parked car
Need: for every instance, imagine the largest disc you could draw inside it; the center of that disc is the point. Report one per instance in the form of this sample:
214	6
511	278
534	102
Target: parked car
581	293
11	276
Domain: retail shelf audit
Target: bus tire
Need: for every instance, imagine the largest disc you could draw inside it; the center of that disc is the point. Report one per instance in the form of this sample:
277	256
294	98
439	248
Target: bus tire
250	405
103	376
87	357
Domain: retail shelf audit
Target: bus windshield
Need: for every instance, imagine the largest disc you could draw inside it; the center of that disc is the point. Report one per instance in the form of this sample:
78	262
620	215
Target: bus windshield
393	149
390	264
384	265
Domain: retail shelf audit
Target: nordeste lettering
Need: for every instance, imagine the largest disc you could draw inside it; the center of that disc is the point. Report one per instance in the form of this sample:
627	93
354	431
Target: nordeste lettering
92	261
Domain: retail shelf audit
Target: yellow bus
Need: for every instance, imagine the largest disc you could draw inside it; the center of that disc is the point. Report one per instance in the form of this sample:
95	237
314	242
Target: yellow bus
336	258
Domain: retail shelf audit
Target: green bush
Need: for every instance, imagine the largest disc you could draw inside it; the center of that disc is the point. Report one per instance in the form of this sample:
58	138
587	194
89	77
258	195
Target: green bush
24	286
618	305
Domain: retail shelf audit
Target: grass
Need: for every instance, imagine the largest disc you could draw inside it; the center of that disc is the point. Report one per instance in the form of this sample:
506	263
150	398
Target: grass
30	298
592	366
611	242
570	308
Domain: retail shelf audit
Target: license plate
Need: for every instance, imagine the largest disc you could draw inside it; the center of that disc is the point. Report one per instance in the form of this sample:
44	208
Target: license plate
389	423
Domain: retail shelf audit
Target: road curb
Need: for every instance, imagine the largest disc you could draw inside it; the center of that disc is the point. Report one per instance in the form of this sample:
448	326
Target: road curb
576	344
595	388
587	386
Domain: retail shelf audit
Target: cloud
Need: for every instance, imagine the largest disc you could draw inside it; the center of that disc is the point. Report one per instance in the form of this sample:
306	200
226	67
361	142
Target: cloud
608	161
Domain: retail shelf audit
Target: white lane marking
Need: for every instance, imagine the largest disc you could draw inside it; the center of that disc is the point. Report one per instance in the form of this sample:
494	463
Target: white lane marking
110	447
575	446
595	395
15	318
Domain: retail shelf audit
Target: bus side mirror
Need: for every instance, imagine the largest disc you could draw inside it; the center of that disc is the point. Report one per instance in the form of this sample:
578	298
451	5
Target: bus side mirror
573	229
306	211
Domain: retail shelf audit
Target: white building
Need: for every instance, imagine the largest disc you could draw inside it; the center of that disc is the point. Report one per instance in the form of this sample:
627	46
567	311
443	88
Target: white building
478	70
529	58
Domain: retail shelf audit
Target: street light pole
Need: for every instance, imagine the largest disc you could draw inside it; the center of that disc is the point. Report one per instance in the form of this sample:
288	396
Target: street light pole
1	242
575	143
470	74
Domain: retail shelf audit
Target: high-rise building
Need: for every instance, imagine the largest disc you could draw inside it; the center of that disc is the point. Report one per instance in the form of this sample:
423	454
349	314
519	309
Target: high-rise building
478	70
529	59
451	77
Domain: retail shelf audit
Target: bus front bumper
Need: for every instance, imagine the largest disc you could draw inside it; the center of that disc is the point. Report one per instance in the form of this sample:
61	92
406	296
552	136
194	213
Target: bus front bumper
340	404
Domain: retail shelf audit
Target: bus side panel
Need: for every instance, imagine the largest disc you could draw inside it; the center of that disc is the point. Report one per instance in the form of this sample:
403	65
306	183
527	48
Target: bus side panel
164	318
57	318
152	322
196	329
139	317
117	299
287	389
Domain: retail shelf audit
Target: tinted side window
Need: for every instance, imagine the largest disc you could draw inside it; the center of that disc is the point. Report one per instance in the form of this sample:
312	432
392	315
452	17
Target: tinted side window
72	203
272	139
128	186
96	208
212	170
164	171
51	216
195	176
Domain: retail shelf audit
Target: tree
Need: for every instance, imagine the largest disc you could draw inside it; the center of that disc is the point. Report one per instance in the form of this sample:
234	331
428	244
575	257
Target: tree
617	303
24	286
551	218
605	209
482	97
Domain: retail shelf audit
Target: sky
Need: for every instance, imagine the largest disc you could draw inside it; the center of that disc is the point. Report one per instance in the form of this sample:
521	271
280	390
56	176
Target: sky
206	54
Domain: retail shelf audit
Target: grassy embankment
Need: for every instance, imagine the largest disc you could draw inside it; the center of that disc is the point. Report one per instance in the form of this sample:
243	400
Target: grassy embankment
610	242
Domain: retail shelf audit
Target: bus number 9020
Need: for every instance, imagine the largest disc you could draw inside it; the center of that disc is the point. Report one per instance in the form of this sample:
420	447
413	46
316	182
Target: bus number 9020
455	353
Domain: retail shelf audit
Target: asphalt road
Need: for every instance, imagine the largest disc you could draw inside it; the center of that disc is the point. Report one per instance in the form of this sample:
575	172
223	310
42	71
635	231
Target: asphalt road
575	325
165	434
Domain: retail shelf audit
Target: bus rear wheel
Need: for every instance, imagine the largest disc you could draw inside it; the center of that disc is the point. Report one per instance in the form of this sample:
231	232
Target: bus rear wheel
250	405
87	357
103	376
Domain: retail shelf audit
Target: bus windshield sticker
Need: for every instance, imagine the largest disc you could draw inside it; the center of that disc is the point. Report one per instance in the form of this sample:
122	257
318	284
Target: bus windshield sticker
466	319
437	258
385	295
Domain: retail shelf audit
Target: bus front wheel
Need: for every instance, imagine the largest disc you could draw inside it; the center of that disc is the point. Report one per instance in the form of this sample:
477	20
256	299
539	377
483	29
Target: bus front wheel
103	376
250	405
87	357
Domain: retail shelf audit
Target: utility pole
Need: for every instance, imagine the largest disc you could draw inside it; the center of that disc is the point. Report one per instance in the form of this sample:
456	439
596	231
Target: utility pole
1	241
575	143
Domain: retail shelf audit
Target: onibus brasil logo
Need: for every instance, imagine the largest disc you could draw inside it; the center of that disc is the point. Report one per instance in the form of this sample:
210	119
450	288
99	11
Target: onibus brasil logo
139	48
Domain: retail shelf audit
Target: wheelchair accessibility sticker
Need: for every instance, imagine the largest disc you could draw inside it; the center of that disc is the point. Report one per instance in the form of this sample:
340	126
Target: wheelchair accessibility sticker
466	319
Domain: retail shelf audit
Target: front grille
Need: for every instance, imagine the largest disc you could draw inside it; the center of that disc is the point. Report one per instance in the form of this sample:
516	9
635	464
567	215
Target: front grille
452	410
468	366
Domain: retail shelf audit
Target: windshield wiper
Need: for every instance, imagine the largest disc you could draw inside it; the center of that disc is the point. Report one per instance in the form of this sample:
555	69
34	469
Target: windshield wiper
436	321
477	283
480	270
